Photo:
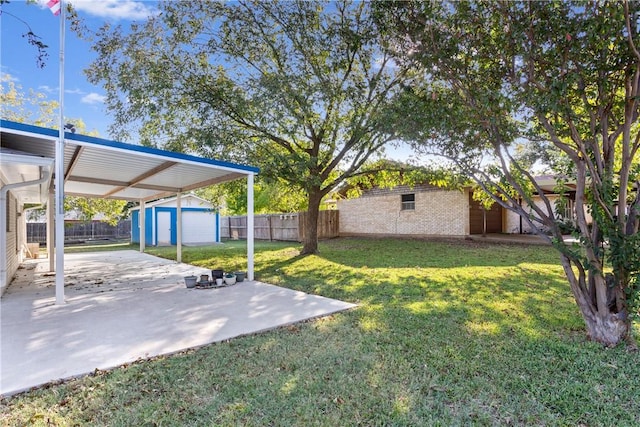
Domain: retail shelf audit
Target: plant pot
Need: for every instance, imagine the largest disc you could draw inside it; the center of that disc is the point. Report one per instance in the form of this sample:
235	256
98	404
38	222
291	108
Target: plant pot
240	275
230	279
219	281
190	281
216	274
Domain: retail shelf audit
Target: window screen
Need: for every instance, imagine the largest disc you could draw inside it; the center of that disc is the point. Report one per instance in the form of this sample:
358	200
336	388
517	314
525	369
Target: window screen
408	202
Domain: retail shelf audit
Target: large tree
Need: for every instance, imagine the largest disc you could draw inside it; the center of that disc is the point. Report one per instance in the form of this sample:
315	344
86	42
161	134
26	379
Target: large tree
561	76
269	197
295	87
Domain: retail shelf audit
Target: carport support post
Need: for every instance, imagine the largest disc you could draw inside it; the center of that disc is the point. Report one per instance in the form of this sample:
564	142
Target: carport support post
250	227
59	219
179	227
51	231
142	225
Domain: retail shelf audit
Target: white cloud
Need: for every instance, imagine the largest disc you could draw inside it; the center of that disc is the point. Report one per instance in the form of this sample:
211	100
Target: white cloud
7	77
47	89
75	91
93	98
116	9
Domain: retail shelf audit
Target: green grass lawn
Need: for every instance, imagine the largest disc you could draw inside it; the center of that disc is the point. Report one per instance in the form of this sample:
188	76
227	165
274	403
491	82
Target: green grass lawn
446	333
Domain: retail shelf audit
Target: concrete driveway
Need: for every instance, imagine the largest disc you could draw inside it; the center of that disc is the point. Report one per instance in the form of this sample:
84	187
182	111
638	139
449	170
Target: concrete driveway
123	306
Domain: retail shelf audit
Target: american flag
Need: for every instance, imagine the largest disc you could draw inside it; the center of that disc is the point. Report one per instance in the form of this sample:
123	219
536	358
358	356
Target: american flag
54	5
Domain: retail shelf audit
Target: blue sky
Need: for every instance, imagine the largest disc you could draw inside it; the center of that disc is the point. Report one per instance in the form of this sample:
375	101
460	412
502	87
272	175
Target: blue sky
82	100
18	59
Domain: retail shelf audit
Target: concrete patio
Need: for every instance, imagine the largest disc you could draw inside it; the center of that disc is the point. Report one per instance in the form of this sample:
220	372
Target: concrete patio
123	306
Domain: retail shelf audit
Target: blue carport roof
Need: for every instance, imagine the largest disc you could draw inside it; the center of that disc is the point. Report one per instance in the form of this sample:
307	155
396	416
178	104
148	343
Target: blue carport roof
96	167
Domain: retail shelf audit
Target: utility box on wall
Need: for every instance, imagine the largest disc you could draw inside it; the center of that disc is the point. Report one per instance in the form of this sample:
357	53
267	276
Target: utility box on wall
200	222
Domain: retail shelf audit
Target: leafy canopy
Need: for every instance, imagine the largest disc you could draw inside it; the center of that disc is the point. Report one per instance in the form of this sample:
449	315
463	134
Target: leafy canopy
299	88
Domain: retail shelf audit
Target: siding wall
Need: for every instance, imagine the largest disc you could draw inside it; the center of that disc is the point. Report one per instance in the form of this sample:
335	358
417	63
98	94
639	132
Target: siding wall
437	213
513	220
13	250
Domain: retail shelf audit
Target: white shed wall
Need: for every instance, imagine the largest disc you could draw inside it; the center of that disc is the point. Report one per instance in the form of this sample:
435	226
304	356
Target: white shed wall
198	227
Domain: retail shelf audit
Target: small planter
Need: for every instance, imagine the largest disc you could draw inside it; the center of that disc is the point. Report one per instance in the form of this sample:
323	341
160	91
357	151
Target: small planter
218	281
216	274
240	275
190	281
230	279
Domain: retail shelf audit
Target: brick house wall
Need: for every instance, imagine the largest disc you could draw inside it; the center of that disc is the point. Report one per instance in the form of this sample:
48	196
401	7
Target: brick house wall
437	212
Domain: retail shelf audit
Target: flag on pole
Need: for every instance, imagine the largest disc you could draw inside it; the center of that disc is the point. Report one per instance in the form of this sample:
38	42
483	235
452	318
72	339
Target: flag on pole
54	5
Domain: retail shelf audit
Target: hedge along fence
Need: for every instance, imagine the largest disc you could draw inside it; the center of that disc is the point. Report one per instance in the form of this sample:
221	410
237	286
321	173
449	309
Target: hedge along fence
284	227
81	230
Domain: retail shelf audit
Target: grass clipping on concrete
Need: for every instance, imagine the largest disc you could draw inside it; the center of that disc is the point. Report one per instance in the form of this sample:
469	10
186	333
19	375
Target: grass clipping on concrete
446	333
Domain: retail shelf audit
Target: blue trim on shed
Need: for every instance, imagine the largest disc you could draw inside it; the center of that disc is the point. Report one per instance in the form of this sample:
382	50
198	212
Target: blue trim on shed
217	227
148	228
135	227
173	219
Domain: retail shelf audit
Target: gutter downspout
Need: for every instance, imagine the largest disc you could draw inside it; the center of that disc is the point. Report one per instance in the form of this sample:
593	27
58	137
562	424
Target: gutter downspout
3	221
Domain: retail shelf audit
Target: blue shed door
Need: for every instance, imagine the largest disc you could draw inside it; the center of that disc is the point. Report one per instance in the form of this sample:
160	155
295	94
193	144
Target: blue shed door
135	227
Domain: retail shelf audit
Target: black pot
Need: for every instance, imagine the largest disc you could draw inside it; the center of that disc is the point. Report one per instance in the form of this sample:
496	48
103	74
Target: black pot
216	274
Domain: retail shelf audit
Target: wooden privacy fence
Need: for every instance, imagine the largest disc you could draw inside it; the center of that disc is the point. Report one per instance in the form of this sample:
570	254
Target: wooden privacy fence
286	227
78	230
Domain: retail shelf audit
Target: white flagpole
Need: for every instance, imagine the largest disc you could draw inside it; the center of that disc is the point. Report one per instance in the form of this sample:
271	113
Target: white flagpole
59	181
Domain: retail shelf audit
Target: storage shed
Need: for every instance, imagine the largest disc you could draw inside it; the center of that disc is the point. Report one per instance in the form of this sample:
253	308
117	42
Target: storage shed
200	222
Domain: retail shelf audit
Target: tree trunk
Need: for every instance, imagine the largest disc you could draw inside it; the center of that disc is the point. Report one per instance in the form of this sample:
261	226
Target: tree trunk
597	297
610	329
605	317
310	241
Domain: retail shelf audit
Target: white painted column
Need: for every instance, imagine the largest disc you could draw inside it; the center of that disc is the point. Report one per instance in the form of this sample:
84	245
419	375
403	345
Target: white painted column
51	231
141	224
154	229
59	222
250	247
179	227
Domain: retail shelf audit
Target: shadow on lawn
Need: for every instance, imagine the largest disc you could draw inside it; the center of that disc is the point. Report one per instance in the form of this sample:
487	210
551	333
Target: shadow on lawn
413	253
522	301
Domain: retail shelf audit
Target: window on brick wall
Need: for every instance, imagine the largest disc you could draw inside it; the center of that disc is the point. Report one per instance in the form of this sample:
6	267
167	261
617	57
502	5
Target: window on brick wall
408	202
